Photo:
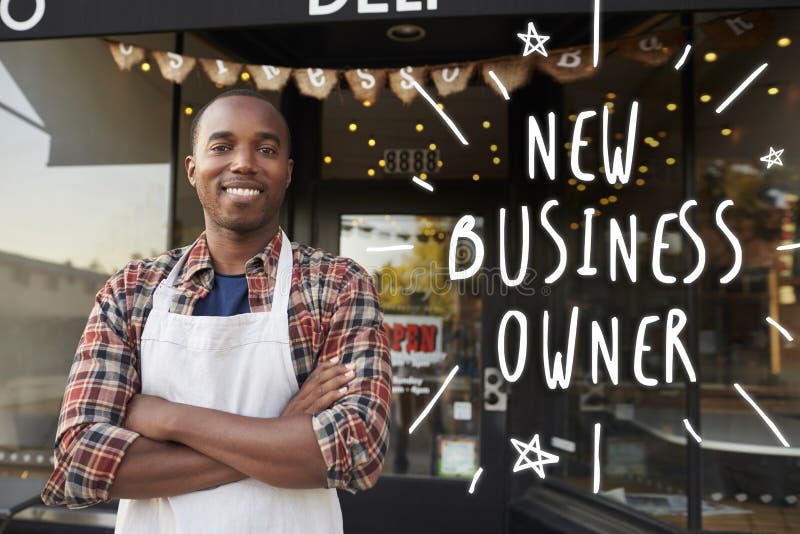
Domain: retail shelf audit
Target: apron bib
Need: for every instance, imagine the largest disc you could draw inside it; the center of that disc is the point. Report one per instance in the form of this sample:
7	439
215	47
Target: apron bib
240	364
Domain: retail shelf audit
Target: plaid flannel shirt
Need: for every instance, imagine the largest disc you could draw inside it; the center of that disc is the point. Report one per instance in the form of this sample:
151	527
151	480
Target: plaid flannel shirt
334	310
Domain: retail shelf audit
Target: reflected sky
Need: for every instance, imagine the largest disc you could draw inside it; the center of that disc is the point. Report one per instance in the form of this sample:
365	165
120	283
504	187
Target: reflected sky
84	214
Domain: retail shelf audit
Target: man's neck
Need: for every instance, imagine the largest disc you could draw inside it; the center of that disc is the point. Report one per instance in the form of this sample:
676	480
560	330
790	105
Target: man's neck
230	251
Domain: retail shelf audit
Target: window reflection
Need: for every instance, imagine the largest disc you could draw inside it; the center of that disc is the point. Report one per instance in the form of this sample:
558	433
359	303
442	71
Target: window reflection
642	439
432	325
746	467
85	189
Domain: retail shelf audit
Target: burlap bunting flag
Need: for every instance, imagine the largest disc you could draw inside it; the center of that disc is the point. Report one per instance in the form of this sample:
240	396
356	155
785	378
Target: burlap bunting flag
745	30
739	31
222	73
654	49
126	56
174	67
513	73
452	79
317	83
366	84
269	77
569	64
401	82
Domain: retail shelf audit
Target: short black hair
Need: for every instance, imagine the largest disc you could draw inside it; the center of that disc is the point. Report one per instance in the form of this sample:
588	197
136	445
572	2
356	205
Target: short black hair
236	92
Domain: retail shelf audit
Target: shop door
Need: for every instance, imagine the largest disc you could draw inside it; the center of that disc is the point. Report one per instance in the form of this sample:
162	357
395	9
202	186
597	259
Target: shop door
434	325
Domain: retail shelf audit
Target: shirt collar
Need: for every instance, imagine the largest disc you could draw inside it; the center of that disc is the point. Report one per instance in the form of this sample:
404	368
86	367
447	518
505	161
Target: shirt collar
199	261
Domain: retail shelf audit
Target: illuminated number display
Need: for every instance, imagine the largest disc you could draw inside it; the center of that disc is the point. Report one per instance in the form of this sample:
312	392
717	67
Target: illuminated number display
410	160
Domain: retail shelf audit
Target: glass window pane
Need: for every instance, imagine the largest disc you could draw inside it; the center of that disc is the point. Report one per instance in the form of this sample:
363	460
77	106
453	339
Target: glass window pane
642	456
85	189
433	325
748	471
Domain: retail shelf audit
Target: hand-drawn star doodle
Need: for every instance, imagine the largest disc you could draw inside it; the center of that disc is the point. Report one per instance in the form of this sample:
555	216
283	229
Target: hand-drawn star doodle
773	158
523	462
532	34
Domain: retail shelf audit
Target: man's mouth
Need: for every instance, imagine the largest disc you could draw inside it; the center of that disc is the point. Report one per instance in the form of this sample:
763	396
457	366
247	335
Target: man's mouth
241	192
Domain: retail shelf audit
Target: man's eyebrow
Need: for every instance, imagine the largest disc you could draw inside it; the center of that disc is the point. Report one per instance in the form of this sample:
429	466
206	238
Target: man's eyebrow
219	135
270	137
263	135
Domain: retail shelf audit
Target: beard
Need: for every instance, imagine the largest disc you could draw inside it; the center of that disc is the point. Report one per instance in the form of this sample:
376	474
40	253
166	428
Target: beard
245	221
240	225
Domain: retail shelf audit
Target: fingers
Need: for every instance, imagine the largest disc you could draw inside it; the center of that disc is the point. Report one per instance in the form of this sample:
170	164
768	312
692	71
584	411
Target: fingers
327	384
337	376
325	401
330	371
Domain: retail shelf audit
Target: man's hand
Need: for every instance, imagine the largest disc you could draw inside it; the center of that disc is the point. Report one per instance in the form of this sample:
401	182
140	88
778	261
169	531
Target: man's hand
147	415
326	384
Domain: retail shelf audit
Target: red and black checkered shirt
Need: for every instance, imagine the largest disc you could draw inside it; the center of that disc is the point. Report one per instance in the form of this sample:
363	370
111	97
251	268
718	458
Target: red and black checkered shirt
334	310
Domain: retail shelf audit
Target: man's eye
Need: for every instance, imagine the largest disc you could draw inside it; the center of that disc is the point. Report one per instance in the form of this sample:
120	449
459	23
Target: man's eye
268	150
219	148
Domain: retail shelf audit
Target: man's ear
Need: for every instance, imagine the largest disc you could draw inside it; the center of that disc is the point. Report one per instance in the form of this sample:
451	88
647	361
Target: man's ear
289	169
190	167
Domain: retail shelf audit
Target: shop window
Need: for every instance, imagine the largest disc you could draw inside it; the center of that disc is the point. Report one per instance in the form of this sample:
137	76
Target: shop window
433	325
391	141
641	456
86	188
747	468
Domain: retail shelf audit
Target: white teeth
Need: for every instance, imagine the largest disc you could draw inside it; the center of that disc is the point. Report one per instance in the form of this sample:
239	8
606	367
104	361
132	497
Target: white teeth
243	192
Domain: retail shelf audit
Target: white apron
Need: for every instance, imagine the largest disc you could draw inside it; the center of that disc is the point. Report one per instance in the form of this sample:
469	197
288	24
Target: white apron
240	364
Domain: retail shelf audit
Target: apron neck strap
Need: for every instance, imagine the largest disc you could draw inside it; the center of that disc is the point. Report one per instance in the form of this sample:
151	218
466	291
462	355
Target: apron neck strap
173	275
283	278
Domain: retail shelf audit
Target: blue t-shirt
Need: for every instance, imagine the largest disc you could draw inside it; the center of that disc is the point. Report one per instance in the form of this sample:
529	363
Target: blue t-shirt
227	297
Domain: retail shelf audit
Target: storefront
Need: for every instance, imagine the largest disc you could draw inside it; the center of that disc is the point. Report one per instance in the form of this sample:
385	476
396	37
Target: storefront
93	177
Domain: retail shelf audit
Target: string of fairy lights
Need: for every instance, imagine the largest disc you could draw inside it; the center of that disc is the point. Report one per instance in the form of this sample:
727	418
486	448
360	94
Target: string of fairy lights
353	127
655	141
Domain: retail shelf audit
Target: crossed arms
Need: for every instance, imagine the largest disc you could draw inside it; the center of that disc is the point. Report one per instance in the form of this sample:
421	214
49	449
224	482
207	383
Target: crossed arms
184	448
113	442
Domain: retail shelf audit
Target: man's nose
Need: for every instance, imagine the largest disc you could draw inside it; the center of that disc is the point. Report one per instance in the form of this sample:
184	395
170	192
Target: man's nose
244	162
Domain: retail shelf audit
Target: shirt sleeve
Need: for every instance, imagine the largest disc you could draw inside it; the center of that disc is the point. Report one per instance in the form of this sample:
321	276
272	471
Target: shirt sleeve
90	441
354	433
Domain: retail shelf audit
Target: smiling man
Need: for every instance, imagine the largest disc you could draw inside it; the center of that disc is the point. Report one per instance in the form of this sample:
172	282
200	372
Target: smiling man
231	385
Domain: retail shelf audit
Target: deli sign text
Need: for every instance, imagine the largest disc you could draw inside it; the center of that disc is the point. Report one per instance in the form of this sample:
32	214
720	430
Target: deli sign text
21	24
323	7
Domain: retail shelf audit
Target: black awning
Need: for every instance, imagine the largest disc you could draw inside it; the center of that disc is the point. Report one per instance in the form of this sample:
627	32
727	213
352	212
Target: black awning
38	19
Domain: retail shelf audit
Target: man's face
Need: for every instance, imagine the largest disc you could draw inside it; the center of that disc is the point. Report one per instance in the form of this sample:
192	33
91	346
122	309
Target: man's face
240	166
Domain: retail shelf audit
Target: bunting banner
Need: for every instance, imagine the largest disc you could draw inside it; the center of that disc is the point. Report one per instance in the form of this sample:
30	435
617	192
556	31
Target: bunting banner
366	84
570	64
126	56
654	49
503	74
739	31
269	77
402	82
317	83
222	73
511	72
174	67
452	79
